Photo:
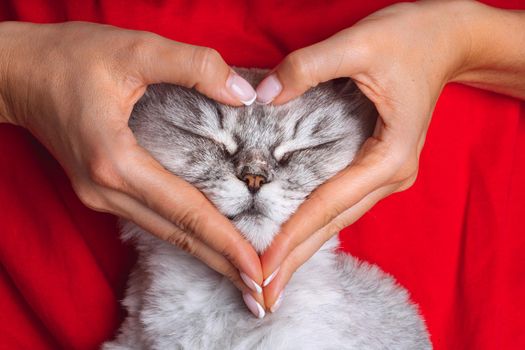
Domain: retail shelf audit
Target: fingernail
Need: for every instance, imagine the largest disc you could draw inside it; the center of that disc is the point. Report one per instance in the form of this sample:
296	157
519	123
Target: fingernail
271	277
253	305
277	303
241	89
251	283
268	89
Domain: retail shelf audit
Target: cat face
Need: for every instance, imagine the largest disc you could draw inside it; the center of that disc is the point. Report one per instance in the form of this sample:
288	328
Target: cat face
258	163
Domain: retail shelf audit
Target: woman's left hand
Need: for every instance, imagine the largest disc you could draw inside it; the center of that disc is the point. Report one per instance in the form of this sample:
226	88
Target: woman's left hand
400	57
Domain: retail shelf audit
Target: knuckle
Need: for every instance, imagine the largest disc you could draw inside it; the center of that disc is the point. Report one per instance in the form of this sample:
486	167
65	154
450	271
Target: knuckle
286	241
335	226
141	42
90	197
407	169
293	262
230	250
362	50
409	182
182	241
398	164
331	209
300	68
335	210
205	60
137	48
103	172
188	219
232	274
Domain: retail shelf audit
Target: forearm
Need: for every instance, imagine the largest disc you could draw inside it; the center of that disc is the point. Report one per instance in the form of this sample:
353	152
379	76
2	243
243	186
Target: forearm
5	54
15	69
496	47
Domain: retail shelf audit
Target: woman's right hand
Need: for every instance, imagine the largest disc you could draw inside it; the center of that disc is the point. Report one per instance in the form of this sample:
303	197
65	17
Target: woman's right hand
73	86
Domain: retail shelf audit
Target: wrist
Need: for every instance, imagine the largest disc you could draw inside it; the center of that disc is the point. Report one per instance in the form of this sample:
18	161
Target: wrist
495	41
473	23
452	39
19	43
6	35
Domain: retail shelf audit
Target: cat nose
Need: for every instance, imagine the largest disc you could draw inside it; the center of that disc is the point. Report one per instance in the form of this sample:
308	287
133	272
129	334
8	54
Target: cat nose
254	181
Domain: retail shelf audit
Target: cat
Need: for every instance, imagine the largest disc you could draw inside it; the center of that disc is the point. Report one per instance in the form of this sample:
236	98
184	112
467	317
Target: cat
257	164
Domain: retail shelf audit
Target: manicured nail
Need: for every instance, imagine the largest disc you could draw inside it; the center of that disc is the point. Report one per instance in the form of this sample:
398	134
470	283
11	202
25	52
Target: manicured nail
241	89
251	283
277	303
271	277
268	89
253	305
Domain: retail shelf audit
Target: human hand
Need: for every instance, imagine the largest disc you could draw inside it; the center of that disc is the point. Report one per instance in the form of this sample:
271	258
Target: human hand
73	85
400	57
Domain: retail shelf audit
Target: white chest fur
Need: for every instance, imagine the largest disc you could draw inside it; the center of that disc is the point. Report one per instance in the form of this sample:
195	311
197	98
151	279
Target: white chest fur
332	302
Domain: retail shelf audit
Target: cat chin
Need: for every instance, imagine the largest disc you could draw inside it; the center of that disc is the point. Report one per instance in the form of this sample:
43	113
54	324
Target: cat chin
258	229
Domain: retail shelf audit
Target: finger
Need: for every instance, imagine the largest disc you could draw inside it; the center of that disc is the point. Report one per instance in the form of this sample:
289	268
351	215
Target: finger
153	223
304	251
332	58
128	168
188	209
371	170
130	209
202	68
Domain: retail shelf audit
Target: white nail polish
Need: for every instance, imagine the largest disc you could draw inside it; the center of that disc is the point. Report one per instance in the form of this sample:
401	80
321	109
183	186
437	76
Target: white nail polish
268	89
277	303
271	277
253	305
251	283
249	102
241	89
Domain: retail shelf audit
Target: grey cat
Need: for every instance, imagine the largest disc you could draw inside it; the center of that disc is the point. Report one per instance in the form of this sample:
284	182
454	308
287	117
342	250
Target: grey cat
257	164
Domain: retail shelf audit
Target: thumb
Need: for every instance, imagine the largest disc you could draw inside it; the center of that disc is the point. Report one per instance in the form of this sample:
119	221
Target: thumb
163	60
303	69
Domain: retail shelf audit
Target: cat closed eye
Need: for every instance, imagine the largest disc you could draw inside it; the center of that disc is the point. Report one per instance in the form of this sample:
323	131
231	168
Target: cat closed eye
228	152
285	159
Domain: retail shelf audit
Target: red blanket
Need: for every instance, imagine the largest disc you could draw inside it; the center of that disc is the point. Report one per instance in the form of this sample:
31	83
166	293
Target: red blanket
455	240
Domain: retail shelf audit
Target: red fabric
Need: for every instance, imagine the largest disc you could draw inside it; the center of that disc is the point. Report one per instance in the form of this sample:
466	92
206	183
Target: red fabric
454	240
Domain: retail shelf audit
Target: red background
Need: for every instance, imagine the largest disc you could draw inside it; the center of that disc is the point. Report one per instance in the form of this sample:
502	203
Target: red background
455	240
